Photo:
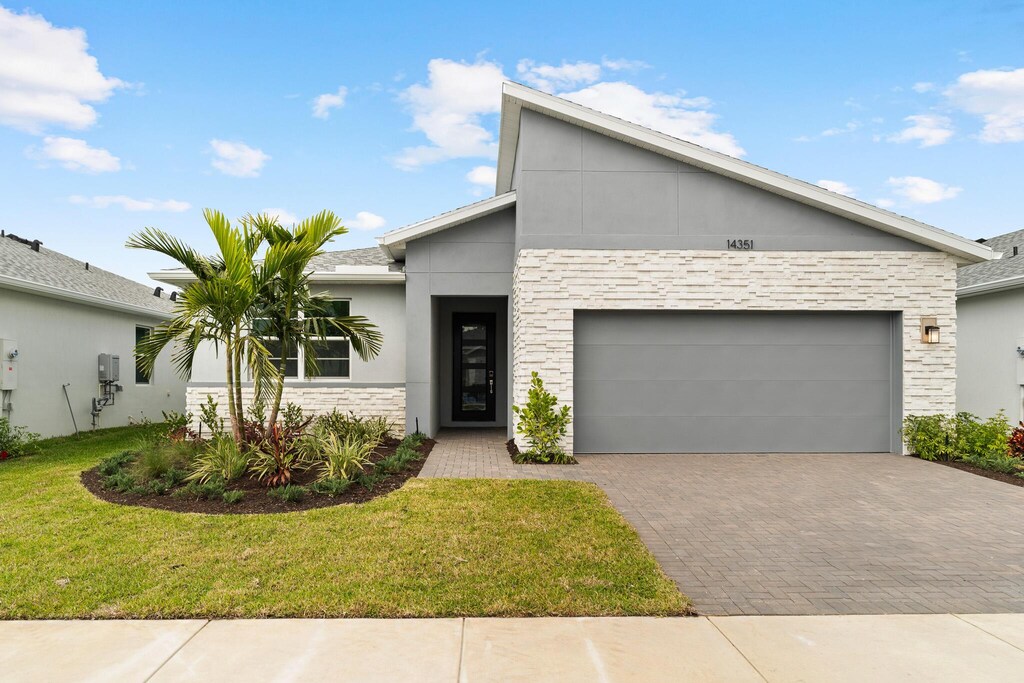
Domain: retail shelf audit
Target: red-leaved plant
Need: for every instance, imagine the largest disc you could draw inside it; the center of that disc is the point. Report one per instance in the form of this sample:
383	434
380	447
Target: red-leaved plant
1016	441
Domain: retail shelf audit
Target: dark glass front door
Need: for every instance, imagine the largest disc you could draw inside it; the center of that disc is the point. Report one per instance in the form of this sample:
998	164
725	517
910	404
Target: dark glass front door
473	380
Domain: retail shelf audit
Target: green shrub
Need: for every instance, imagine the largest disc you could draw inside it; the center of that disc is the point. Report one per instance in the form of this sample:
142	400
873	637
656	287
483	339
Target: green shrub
291	493
372	430
115	463
178	425
16	441
930	437
212	489
976	439
330	487
208	416
334	458
221	459
292	417
156	460
369	481
414	440
232	497
397	461
542	425
120	481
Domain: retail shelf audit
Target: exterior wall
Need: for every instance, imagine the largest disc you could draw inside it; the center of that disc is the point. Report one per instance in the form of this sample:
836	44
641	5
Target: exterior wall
988	376
314	398
58	343
474	259
550	284
577	189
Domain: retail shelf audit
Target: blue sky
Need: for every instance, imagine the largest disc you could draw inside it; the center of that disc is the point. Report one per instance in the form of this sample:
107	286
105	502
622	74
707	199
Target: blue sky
385	113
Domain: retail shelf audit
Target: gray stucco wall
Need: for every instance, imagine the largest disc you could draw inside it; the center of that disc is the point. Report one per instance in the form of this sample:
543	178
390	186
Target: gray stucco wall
580	189
990	327
58	343
475	259
383	304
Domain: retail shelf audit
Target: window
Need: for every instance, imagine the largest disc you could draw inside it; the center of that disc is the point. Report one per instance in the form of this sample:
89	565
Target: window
332	352
140	334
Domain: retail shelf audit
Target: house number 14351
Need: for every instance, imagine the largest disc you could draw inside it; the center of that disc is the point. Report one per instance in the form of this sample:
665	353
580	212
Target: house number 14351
740	244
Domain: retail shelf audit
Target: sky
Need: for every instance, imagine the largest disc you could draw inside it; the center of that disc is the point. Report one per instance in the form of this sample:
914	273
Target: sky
115	116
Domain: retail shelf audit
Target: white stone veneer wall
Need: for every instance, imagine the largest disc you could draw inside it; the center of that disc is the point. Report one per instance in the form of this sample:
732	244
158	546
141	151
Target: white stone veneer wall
363	401
549	284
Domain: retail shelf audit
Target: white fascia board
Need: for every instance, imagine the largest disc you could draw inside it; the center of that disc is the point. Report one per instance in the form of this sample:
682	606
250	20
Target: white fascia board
394	242
52	292
355	275
990	287
516	96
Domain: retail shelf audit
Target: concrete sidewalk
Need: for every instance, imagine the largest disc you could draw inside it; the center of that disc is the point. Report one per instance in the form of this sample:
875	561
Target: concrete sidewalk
940	647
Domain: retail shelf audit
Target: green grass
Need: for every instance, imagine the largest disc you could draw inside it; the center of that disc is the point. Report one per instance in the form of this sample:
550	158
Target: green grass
434	548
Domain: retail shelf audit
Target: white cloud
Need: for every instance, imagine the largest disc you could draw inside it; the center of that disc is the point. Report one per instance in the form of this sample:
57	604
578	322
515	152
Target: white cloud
997	96
837	186
323	104
47	76
675	115
283	216
918	190
483	175
549	78
624	64
449	111
365	220
885	203
922	87
237	158
929	130
76	155
129	204
850	127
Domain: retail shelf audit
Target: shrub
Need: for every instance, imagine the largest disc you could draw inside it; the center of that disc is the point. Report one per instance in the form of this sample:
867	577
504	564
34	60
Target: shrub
212	489
15	441
156	461
209	417
120	481
414	440
290	493
178	426
220	459
542	425
976	439
397	461
292	417
930	437
334	458
232	497
369	481
115	463
275	452
1015	443
372	430
997	462
330	487
257	411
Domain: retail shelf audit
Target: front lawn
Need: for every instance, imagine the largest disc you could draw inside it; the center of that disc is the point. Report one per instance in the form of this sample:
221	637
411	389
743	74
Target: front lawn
433	548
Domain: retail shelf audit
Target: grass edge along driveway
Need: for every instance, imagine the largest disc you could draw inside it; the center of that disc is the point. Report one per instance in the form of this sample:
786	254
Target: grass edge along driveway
435	548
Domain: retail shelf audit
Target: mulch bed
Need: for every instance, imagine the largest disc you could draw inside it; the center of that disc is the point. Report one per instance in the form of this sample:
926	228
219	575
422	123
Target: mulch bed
257	501
998	476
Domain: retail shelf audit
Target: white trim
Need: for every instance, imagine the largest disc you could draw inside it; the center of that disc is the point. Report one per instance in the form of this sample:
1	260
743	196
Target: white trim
516	96
990	287
341	276
393	243
53	292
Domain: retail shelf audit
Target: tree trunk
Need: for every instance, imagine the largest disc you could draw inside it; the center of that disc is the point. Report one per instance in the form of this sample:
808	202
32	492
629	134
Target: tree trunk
239	406
236	430
279	392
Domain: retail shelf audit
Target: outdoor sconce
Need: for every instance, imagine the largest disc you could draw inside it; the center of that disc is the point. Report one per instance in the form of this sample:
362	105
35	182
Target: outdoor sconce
929	330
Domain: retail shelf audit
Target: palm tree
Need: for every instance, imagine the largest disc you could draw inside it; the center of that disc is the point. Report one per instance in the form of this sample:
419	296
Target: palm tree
287	294
216	308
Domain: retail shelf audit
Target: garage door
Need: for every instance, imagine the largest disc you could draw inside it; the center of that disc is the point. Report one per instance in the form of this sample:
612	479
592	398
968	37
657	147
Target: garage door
710	382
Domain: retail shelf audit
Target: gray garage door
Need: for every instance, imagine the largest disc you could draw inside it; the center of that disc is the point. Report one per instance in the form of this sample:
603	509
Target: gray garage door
710	382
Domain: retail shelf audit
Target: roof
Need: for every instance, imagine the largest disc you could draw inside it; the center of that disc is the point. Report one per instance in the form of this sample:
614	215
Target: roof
515	97
393	243
49	273
1003	273
367	265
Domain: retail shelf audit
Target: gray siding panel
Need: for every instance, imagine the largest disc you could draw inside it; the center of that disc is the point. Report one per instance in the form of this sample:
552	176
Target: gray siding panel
732	382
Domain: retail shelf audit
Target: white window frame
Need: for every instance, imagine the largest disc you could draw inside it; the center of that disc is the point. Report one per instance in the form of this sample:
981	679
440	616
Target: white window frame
300	356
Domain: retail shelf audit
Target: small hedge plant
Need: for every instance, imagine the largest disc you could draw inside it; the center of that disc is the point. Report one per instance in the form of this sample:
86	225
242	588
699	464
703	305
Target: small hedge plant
15	441
543	426
988	444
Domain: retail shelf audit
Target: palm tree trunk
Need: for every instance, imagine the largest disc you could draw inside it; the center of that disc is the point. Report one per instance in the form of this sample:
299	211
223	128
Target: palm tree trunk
239	406
279	392
236	430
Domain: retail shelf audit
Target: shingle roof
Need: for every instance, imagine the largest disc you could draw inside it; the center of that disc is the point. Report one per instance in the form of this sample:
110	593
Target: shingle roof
1000	269
53	269
371	256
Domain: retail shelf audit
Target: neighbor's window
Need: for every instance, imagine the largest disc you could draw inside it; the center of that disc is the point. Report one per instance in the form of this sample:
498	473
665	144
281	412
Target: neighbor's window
140	334
332	352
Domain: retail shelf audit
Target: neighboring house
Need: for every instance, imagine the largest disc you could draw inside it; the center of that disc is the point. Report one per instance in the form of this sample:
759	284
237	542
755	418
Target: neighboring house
678	299
990	331
60	315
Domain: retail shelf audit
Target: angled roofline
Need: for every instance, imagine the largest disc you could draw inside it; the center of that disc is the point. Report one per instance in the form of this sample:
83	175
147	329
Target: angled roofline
393	243
342	274
515	97
990	287
53	292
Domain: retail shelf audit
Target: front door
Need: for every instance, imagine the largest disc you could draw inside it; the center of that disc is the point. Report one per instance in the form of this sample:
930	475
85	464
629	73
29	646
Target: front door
473	381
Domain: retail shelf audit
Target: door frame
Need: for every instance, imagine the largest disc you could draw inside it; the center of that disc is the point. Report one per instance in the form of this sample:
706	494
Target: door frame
489	320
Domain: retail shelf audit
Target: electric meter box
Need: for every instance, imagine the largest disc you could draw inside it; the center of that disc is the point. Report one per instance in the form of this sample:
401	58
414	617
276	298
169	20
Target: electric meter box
8	365
109	368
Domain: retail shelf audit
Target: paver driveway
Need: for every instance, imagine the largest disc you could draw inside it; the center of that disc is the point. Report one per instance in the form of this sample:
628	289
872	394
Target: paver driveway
800	534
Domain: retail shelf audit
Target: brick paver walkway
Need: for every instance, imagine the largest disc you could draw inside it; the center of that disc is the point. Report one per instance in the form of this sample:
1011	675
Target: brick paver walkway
799	534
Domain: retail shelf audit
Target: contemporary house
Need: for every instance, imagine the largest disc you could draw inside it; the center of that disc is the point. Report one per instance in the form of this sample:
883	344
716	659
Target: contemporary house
990	349
680	300
67	334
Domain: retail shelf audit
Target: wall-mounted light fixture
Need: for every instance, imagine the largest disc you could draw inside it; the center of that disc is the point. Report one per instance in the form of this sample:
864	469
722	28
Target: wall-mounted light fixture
930	330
